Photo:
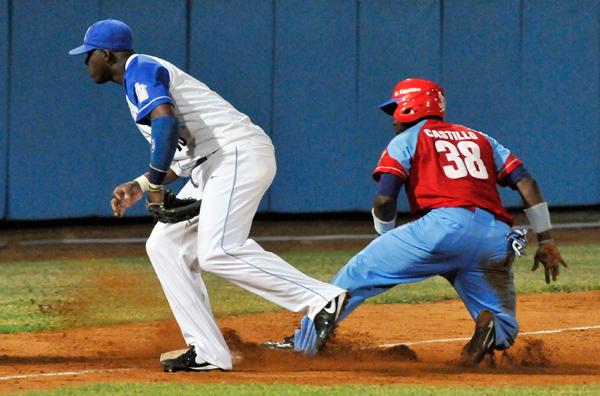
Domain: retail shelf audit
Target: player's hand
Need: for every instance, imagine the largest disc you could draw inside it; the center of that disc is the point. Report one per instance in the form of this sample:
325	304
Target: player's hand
124	197
550	258
156	197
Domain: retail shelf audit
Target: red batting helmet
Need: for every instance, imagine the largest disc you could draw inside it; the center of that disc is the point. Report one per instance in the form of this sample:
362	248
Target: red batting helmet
414	99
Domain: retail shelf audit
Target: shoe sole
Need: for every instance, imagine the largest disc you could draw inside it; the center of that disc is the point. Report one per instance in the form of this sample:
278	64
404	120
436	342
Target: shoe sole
204	367
483	340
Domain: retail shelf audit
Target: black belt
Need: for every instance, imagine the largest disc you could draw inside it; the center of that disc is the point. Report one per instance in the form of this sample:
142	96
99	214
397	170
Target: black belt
201	161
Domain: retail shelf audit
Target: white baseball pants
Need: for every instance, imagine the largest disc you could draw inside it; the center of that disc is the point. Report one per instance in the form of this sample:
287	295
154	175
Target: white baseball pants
231	184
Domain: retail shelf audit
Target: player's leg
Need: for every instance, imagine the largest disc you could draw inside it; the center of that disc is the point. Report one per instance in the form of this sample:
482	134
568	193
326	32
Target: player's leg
410	253
235	179
413	252
485	281
172	251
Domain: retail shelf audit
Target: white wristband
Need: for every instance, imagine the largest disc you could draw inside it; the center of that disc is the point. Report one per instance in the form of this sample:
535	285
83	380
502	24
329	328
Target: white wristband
143	182
383	226
539	217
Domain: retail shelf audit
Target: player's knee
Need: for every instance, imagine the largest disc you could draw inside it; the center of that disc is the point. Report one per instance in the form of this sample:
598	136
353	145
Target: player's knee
211	260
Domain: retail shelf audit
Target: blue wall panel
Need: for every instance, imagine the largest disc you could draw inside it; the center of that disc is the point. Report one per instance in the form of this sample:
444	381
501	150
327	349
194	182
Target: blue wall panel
398	40
315	105
159	27
482	71
51	150
560	99
73	141
4	68
231	51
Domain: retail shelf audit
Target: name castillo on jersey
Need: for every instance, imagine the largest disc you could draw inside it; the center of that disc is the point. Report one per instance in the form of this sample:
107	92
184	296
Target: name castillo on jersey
450	135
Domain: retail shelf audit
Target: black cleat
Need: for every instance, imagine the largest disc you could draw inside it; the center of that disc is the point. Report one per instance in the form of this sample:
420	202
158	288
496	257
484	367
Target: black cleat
188	361
483	341
326	319
287	344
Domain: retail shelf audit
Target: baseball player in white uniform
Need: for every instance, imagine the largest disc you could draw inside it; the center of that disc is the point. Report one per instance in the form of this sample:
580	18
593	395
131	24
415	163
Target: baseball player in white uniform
194	132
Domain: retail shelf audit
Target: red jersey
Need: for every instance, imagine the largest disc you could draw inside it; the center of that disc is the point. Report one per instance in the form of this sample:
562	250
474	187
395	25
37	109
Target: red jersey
446	165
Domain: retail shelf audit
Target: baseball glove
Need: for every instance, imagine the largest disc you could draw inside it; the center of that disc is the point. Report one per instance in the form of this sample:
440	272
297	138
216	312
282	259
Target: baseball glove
173	209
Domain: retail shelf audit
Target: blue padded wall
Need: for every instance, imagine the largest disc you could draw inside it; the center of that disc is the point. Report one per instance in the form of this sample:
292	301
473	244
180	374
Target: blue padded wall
312	75
398	40
231	51
73	141
315	105
4	68
482	71
52	150
560	97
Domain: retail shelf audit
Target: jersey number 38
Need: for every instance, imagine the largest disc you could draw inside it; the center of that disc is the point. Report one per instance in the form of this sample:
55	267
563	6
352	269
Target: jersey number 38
466	159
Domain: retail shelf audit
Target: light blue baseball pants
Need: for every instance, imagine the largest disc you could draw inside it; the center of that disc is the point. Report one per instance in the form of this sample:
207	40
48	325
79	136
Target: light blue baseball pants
467	248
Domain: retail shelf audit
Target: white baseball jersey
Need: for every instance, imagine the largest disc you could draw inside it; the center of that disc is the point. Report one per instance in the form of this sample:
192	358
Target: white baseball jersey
207	122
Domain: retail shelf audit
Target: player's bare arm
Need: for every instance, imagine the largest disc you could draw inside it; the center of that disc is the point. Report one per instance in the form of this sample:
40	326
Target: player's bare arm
537	212
385	208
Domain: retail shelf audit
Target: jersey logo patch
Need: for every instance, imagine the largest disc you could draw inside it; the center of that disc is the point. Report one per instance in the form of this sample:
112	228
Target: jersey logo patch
140	91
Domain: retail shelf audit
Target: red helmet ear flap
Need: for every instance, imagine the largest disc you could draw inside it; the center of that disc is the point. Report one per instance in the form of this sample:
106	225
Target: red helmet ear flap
402	113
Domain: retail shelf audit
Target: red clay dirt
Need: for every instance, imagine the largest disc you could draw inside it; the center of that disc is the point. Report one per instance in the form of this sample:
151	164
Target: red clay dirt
130	353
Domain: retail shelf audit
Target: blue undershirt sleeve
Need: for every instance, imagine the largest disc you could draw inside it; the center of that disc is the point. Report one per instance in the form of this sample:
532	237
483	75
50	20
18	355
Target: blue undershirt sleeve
165	136
389	185
518	174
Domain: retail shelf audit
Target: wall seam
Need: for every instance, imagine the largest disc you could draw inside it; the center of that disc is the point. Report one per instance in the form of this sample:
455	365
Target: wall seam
272	93
357	65
441	67
521	38
188	34
8	107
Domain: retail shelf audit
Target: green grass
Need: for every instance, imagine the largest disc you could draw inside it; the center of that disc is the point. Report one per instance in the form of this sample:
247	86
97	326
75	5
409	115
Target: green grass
174	389
83	293
68	294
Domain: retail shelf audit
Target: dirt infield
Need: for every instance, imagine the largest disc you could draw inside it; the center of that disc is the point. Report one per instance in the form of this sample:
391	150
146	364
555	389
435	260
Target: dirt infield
129	353
568	357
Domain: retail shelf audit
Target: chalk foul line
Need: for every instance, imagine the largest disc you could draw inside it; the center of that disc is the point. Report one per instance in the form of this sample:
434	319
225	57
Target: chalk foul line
467	339
63	373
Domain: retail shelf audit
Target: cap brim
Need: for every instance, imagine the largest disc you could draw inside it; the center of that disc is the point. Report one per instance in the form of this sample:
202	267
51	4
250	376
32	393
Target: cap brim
390	106
80	50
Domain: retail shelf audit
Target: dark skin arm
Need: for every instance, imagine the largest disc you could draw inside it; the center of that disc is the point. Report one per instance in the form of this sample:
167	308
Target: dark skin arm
547	254
127	194
385	207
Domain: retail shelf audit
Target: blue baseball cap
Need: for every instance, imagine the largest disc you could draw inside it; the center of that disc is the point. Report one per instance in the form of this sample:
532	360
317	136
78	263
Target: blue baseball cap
109	34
